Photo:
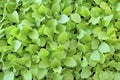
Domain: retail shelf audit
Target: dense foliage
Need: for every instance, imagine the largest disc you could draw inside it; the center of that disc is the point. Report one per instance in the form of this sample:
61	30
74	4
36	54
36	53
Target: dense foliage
59	39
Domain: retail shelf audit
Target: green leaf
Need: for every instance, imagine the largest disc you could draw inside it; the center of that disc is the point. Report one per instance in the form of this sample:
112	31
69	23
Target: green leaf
95	20
41	73
8	75
117	76
15	17
44	63
59	54
42	10
70	62
57	77
67	75
27	75
55	63
84	62
58	69
85	11
63	19
104	47
75	17
63	37
118	7
103	5
43	53
85	73
94	44
17	45
68	10
95	56
95	12
103	75
106	20
56	7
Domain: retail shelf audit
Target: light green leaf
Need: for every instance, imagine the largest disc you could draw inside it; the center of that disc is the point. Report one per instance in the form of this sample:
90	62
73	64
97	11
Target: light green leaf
27	75
59	54
8	75
17	45
95	56
41	73
118	7
84	62
55	63
103	75
75	17
44	63
85	73
95	12
117	76
15	17
63	19
68	10
104	47
67	75
58	69
63	37
85	11
94	20
57	77
43	53
94	44
56	7
106	20
70	62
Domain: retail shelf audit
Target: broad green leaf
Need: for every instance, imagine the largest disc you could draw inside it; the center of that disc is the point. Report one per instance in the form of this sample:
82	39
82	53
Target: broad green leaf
67	75
85	11
95	56
35	58
98	1
55	63
8	75
63	19
103	36
95	20
44	63
104	47
84	62
117	76
75	17
57	77
103	5
106	20
27	75
59	54
33	34
85	73
110	75
17	45
56	7
68	10
15	17
43	53
95	12
42	10
118	7
63	37
41	73
70	62
103	75
58	69
94	44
